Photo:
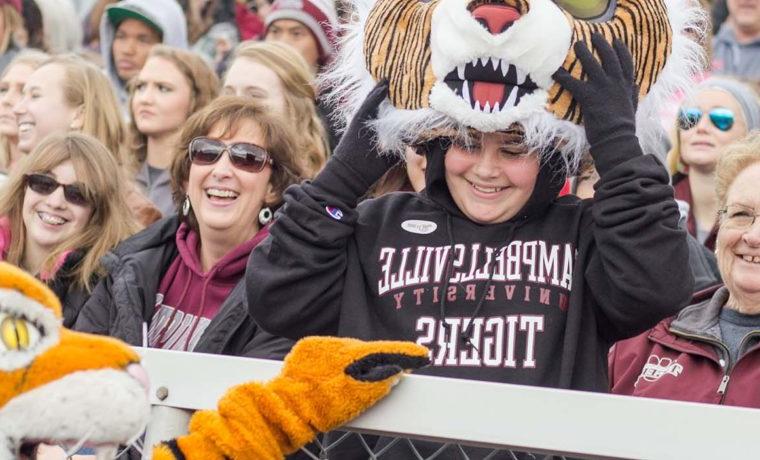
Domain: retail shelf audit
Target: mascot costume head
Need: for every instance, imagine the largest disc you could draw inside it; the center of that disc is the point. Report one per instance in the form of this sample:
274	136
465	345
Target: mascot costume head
457	65
58	386
66	388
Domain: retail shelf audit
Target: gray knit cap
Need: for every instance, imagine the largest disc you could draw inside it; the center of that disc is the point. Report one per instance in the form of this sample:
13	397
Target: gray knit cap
744	95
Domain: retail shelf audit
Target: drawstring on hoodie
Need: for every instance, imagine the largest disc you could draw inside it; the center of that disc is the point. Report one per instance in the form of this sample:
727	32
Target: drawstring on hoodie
465	336
160	342
200	310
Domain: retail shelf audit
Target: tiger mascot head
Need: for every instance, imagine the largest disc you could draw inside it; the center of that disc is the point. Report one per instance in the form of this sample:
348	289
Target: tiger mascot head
57	386
488	64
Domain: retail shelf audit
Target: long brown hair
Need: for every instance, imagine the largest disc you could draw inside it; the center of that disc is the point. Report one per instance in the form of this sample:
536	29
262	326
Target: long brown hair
204	88
111	220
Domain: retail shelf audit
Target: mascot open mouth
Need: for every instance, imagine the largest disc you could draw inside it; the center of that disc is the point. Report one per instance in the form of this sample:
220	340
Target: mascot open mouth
490	84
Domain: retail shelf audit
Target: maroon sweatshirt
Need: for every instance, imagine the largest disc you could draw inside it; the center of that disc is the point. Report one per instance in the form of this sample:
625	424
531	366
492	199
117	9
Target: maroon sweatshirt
188	298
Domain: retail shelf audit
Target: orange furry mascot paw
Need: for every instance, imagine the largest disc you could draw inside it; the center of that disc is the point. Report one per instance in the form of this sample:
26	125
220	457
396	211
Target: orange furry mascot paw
61	387
324	383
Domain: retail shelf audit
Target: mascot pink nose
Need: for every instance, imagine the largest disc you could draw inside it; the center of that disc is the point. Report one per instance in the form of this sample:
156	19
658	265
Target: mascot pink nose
496	18
139	374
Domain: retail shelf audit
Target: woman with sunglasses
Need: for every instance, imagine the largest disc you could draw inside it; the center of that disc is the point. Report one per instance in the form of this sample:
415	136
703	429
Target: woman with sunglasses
709	352
720	111
62	210
183	277
172	85
67	93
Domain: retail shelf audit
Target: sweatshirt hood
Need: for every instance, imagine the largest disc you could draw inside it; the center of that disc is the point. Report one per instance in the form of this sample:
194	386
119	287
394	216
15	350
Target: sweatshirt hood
551	178
229	268
164	14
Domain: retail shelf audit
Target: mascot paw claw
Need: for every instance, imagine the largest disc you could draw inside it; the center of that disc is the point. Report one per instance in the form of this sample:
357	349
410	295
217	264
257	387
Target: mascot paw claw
324	383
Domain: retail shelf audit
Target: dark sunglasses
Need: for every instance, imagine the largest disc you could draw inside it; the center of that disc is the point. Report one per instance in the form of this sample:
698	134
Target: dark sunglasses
721	118
45	185
248	157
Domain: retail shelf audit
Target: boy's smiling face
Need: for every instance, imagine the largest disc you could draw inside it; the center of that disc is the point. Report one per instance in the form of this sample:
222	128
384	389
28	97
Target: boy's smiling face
492	177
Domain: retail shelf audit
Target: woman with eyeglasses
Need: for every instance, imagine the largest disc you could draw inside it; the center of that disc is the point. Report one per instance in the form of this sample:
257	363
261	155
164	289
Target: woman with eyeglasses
62	210
182	278
720	112
710	351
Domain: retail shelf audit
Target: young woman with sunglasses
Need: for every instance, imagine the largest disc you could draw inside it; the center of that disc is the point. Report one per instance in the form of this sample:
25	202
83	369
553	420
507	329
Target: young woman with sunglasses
62	210
183	276
67	93
719	112
172	85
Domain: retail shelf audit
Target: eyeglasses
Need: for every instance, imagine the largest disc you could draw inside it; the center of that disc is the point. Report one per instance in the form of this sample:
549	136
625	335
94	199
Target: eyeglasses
243	155
737	216
45	185
721	118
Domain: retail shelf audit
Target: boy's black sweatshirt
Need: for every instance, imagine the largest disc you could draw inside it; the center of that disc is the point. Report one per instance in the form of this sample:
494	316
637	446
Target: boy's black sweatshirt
536	300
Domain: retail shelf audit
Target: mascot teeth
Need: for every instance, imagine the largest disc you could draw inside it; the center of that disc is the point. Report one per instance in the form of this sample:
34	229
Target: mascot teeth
490	84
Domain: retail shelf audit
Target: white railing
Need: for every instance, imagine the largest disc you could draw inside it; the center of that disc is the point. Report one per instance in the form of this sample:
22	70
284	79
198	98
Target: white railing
493	415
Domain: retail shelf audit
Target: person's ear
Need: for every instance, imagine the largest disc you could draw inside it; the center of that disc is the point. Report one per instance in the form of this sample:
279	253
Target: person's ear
77	122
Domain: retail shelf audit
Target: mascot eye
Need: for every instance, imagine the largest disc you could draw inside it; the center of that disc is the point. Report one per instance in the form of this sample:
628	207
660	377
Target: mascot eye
17	334
594	10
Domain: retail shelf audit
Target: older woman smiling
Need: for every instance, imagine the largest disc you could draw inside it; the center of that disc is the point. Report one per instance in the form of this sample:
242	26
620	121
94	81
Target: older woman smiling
710	352
184	274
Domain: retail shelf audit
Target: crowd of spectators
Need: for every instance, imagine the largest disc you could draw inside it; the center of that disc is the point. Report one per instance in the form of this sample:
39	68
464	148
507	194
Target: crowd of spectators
146	147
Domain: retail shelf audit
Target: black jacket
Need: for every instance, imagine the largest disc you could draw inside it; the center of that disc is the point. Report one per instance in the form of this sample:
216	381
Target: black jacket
125	299
571	277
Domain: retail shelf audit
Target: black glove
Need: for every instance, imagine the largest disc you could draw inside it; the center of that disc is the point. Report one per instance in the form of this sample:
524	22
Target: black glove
357	163
608	100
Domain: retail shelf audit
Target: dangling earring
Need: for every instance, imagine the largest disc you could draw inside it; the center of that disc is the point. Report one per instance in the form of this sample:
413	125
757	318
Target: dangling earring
265	216
186	206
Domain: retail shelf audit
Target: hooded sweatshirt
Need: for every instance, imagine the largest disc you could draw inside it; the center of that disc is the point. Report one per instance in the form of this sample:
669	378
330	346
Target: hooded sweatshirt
189	298
535	300
166	14
730	57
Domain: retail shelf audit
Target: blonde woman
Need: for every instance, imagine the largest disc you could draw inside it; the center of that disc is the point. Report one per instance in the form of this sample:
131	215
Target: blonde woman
172	85
67	93
277	75
12	82
719	112
62	210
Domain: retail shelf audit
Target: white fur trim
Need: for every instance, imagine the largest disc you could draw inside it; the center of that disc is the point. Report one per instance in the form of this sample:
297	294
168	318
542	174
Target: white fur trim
540	53
45	326
106	406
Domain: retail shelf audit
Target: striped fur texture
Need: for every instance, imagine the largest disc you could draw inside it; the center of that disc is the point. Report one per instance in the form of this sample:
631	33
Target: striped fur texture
420	46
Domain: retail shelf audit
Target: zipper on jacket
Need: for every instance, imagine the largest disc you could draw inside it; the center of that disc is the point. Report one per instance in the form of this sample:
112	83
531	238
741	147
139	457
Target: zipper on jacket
726	369
729	365
723	385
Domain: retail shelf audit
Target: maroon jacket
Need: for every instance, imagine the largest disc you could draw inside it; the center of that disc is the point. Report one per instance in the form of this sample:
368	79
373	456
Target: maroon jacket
682	191
682	358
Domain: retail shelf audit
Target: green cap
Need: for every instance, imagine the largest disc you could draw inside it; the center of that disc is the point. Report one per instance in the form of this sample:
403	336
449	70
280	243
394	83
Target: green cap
116	14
